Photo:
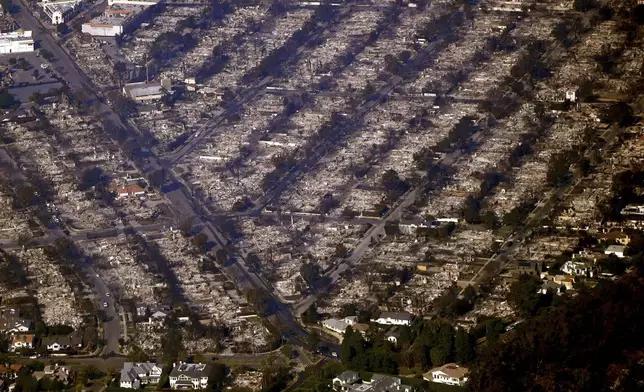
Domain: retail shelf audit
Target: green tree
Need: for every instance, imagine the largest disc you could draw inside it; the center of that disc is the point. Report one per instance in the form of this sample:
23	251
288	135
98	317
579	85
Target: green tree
490	220
524	295
40	329
200	241
394	185
471	211
558	169
260	300
221	256
157	178
36	97
136	354
613	265
217	376
619	113
7	100
446	341
586	91
353	349
254	263
46	54
313	340
464	346
26	383
311	315
584	5
310	272
340	250
438	356
171	342
287	351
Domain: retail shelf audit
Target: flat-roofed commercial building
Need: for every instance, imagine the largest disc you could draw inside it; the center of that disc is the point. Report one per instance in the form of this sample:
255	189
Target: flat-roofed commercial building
19	41
61	11
120	17
147	91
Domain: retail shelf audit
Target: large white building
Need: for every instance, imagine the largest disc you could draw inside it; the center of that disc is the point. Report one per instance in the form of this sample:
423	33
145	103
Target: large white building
61	11
189	376
393	318
120	17
147	91
339	325
16	42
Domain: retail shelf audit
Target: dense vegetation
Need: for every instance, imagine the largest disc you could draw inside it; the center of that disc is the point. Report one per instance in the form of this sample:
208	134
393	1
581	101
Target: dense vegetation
591	342
423	345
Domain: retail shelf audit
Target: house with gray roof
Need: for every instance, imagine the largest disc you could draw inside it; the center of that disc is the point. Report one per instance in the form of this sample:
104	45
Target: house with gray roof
57	343
345	379
136	374
349	382
339	325
189	376
393	335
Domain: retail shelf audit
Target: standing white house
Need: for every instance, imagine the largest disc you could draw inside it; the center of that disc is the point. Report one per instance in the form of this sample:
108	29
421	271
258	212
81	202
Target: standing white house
577	268
339	325
189	376
450	374
393	318
57	343
617	250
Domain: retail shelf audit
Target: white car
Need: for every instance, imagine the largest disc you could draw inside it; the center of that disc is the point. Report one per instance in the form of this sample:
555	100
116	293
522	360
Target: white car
108	294
44	66
105	305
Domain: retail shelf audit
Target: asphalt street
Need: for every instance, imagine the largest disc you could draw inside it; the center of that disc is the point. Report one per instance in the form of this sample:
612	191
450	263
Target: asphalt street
111	321
84	235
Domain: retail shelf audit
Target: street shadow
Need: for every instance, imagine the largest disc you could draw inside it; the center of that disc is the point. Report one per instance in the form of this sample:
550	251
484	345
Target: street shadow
174	186
14	8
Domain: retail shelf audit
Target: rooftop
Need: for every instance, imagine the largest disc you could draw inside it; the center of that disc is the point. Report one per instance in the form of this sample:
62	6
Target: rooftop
451	370
190	369
145	89
18	35
396	315
131	370
61	7
118	14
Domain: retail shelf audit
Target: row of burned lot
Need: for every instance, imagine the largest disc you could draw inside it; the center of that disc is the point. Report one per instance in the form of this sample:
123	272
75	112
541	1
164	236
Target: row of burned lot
484	112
